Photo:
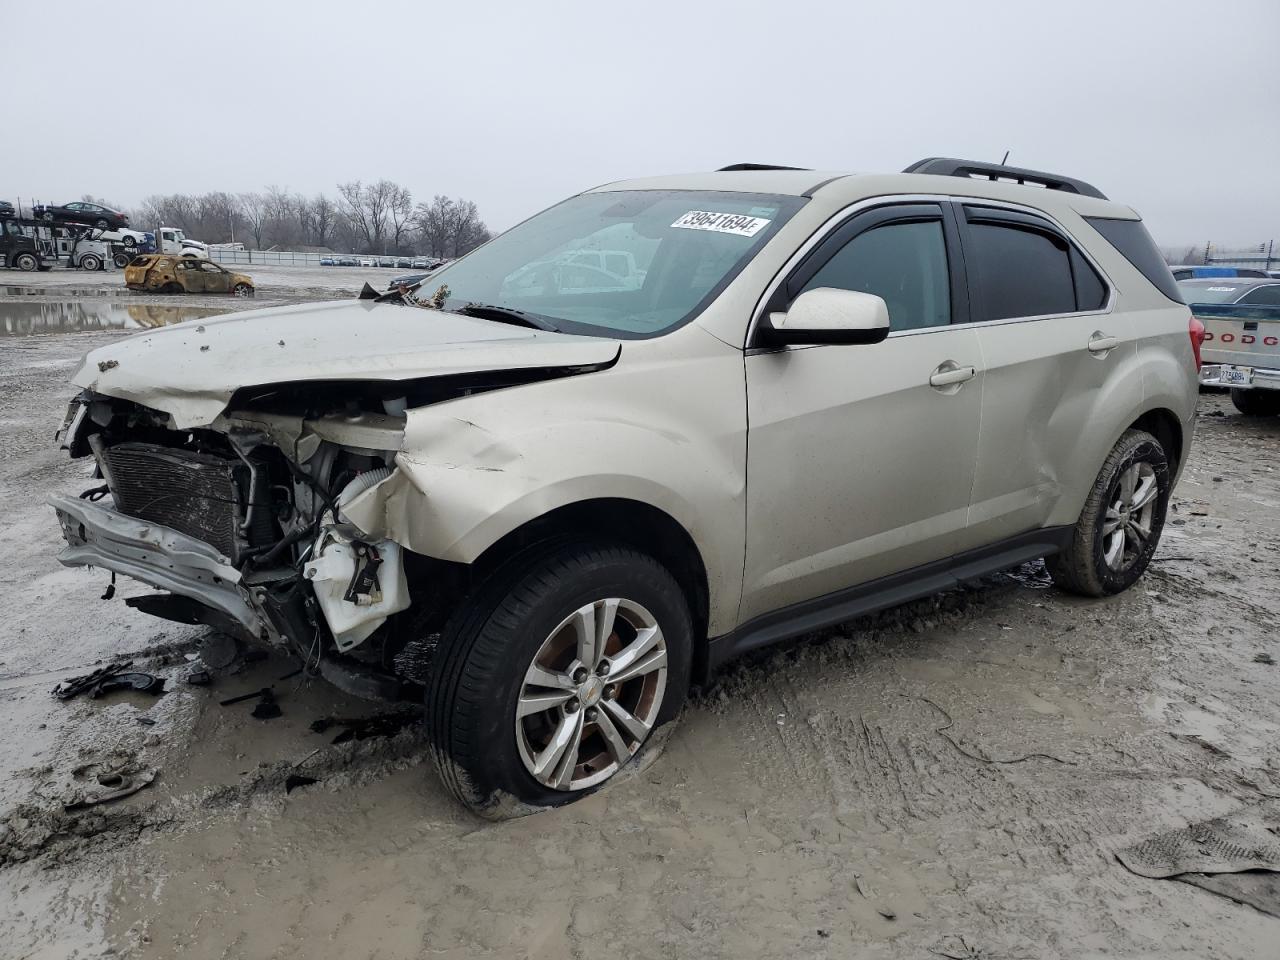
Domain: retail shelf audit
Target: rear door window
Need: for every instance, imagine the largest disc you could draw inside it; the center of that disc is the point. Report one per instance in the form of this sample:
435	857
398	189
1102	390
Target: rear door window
1018	270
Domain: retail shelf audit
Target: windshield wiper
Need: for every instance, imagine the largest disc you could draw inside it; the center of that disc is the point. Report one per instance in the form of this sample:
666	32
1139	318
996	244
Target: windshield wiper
491	311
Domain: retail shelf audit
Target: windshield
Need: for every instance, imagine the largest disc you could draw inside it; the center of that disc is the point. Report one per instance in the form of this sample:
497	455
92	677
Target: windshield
627	264
1209	292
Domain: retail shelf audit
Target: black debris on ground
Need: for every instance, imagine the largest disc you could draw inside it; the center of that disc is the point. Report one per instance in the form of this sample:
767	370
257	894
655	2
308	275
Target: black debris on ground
116	676
362	728
296	780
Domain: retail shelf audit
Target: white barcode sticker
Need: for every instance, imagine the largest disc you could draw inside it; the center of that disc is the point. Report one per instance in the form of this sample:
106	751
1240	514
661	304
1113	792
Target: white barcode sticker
735	223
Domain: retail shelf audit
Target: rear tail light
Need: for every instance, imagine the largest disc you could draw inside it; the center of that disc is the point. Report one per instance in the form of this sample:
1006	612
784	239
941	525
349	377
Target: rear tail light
1195	330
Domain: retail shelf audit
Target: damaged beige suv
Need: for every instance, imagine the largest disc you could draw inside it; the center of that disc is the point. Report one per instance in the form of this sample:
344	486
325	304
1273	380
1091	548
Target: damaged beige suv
547	495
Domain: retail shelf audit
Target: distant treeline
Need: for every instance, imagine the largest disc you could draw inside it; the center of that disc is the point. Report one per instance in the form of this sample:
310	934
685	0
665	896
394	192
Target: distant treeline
378	217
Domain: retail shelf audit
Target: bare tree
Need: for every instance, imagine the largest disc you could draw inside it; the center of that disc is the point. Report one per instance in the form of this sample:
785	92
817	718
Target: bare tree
217	214
322	217
282	227
369	208
256	212
365	218
174	210
378	217
430	219
450	228
400	212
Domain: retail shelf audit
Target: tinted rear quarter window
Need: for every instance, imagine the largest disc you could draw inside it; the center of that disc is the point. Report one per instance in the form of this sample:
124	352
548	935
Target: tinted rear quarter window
1130	237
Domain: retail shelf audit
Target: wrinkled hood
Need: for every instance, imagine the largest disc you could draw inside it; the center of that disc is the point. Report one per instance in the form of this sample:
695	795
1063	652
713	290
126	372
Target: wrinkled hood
190	370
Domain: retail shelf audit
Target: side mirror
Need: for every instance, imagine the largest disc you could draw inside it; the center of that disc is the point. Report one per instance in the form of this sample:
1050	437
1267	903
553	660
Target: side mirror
828	315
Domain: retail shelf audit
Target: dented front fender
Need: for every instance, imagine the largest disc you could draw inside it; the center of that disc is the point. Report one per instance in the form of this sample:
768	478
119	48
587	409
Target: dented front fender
665	427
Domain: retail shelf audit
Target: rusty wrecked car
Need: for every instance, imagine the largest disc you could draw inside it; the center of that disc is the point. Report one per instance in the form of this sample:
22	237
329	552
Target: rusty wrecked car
164	273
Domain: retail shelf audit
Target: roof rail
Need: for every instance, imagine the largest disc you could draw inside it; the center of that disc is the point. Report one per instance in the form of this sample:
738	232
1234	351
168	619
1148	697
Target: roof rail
950	167
735	167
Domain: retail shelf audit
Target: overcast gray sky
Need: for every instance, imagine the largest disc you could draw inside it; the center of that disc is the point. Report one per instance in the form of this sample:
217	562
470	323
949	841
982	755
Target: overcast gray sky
1169	106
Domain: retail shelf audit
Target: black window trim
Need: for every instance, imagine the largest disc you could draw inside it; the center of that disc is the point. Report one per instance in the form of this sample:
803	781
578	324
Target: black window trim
975	210
856	221
949	203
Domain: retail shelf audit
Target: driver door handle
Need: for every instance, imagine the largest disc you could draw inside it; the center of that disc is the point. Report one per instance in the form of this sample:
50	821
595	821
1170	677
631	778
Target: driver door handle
948	374
1101	343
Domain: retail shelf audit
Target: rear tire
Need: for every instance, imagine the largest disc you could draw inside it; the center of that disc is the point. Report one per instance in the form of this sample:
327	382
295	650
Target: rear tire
26	261
1256	403
533	622
1119	528
102	225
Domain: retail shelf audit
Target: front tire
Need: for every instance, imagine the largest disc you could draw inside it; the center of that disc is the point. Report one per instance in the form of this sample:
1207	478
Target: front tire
550	680
90	262
1120	526
1256	403
242	290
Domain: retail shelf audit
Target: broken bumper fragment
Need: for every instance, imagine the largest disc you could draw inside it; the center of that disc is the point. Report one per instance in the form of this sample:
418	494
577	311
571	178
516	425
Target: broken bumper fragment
98	536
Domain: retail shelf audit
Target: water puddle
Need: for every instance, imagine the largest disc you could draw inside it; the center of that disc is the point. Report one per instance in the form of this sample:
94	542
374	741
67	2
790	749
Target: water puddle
18	319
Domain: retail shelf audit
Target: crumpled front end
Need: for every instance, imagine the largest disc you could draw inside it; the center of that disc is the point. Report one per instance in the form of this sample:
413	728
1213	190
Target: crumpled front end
241	516
241	523
101	536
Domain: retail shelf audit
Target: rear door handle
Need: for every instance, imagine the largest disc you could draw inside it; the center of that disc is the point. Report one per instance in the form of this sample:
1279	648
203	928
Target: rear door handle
948	374
1101	343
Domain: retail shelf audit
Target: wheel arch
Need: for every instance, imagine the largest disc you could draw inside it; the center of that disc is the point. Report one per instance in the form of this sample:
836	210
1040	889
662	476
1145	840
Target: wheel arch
1163	424
631	523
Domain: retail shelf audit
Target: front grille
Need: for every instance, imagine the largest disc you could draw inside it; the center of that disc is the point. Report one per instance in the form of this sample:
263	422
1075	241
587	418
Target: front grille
197	494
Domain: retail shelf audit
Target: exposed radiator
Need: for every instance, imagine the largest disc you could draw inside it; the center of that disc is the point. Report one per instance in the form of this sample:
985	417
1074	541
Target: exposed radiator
197	494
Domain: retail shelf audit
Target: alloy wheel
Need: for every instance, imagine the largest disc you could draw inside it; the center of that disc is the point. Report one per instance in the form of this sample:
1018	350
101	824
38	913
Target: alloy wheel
1127	524
592	694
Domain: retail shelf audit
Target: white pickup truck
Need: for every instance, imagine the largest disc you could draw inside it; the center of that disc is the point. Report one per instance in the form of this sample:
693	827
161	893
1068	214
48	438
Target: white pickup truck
173	240
1241	346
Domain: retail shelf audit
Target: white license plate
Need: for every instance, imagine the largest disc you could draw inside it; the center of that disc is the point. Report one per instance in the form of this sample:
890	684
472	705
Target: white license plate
1238	376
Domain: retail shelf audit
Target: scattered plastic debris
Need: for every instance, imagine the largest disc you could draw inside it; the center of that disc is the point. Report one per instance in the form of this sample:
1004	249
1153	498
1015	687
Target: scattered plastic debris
1236	856
266	708
256	695
362	728
136	783
117	676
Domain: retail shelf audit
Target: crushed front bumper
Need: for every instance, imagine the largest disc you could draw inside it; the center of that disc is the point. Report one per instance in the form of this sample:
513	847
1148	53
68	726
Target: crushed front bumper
98	536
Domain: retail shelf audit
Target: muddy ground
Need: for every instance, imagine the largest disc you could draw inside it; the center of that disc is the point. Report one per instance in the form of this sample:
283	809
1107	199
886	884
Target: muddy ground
948	779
